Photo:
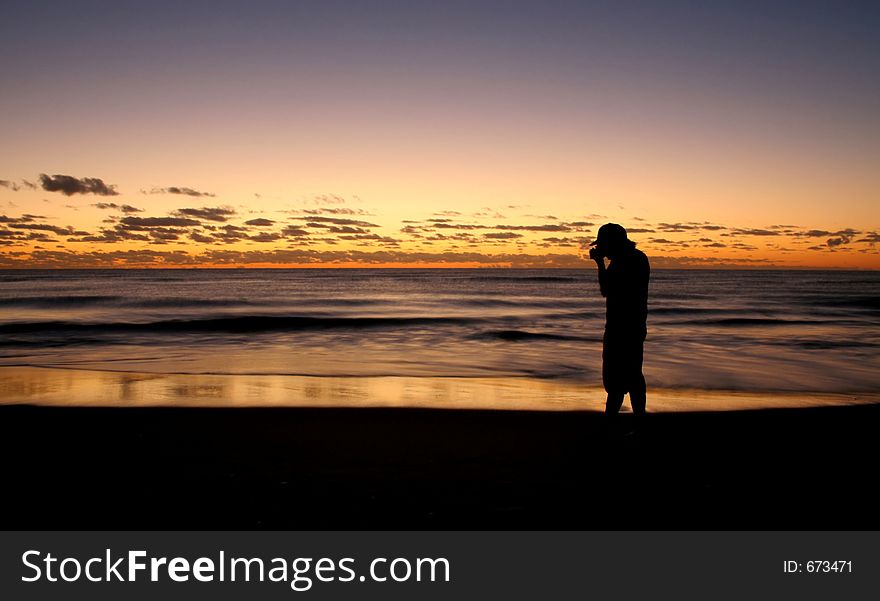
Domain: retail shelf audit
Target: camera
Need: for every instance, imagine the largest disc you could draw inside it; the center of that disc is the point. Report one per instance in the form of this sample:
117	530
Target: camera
596	254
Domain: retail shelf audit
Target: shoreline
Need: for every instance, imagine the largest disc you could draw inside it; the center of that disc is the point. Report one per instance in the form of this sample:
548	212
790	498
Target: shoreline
67	386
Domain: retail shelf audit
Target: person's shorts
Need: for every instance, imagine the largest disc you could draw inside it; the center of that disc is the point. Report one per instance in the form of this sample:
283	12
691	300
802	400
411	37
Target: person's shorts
622	355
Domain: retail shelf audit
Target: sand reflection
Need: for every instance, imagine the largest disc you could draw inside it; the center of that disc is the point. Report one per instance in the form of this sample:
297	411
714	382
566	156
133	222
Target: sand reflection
66	387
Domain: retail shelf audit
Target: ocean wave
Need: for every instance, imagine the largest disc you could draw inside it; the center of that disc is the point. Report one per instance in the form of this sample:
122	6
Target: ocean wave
280	302
42	343
239	324
872	303
597	313
59	301
828	345
178	302
560	303
687	311
523	335
175	302
755	321
529	278
487	276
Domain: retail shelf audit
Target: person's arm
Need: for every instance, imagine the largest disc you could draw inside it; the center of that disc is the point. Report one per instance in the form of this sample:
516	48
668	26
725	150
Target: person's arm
597	256
603	276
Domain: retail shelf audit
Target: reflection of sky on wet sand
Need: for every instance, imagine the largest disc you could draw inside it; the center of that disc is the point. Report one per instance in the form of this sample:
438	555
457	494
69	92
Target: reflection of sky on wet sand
40	386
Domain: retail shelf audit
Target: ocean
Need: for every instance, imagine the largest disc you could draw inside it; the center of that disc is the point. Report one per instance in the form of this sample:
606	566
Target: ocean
794	331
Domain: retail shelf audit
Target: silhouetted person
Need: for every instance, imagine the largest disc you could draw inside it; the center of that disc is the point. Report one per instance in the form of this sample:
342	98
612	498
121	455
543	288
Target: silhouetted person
624	284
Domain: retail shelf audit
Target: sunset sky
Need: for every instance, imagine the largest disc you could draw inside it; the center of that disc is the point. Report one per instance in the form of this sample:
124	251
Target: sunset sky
438	133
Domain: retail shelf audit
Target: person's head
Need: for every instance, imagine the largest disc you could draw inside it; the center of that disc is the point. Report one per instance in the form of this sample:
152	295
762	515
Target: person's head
612	241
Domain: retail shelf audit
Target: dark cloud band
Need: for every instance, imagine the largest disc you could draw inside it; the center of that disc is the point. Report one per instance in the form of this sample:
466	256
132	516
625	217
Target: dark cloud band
69	185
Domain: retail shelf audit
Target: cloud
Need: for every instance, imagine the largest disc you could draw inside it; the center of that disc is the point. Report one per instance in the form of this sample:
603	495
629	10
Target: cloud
11	185
197	237
179	190
676	227
110	237
226	234
23	219
294	231
304	256
335	211
307	256
838	241
372	239
487	212
146	222
666	262
502	235
206	228
150	258
554	227
323	221
229	237
812	234
116	207
841	237
754	232
64	231
69	185
459	226
328	199
265	237
121	258
161	235
220	214
687	227
344	229
580	224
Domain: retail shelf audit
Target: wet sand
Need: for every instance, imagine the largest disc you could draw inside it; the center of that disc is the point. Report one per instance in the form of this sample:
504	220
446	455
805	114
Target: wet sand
385	468
94	388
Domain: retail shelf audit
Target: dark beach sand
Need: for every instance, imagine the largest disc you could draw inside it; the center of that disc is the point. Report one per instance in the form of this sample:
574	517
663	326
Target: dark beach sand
301	468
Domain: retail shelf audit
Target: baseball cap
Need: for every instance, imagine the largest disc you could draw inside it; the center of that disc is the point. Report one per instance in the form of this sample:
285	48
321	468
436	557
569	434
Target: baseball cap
610	232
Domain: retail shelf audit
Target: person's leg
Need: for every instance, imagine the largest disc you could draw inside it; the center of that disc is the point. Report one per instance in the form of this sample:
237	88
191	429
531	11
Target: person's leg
638	393
637	387
611	380
613	403
612	373
631	357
